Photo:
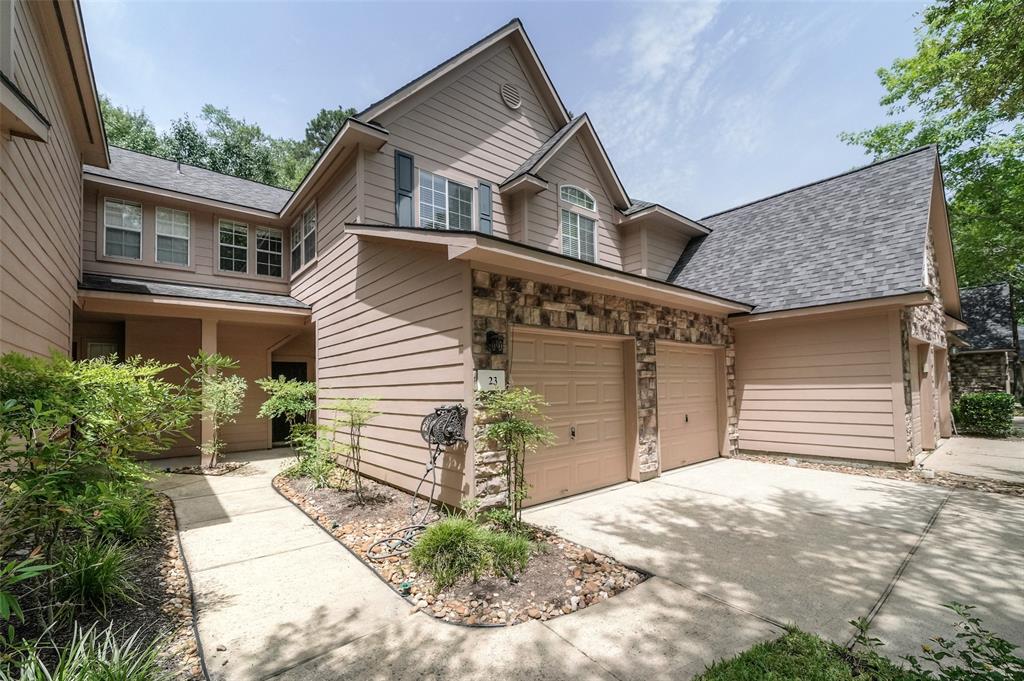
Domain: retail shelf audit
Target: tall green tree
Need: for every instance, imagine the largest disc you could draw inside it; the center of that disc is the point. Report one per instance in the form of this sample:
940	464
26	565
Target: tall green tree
129	129
322	128
963	89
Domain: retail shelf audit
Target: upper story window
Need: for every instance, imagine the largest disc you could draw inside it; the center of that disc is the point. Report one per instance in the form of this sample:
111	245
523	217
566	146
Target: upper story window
122	225
577	197
578	235
304	239
269	252
173	231
234	246
445	204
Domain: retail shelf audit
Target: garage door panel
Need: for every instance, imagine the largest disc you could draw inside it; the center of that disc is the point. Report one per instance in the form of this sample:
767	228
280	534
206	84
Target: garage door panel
581	377
687	404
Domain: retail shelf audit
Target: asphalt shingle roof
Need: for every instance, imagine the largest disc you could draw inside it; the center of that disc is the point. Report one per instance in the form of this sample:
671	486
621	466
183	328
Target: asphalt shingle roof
131	166
988	313
103	282
638	205
855	236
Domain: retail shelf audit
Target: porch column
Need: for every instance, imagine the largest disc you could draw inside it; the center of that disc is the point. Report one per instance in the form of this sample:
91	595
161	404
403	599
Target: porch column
208	344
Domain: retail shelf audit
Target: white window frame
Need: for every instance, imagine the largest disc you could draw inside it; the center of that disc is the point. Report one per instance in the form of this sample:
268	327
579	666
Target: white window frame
565	195
447	197
580	217
303	229
295	244
279	234
232	224
122	227
174	212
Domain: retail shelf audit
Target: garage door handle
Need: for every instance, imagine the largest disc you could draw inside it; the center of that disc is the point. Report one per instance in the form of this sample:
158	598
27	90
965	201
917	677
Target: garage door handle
686	418
572	432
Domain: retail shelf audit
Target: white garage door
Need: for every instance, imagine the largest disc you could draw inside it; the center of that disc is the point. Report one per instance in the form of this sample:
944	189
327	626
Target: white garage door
687	404
581	376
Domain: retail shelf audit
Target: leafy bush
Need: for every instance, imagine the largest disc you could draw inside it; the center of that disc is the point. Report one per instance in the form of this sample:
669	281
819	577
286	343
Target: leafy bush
90	656
93	573
453	548
984	414
319	465
294	401
12	573
974	653
220	395
504	519
118	511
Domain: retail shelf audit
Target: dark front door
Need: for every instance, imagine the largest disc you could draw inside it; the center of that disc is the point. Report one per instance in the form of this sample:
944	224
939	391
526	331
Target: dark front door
293	370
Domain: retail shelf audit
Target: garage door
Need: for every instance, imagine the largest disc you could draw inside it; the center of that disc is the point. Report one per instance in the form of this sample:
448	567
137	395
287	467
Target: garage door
581	378
687	404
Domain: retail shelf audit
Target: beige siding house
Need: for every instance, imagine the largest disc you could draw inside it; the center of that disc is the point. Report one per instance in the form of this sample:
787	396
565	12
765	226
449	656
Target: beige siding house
465	229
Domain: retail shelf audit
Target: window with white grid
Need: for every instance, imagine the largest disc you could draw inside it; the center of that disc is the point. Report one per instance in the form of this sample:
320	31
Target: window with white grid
234	246
173	231
122	225
269	252
577	197
445	204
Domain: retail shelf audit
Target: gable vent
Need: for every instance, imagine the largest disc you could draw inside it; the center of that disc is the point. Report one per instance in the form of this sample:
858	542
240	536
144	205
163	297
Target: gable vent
510	95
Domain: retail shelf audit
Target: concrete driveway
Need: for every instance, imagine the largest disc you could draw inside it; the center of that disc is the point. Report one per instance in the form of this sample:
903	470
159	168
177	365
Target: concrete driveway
815	548
737	549
980	457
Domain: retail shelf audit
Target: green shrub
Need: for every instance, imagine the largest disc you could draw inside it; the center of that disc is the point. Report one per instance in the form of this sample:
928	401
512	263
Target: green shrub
90	656
984	414
93	573
318	464
509	552
456	547
118	511
504	519
450	549
973	653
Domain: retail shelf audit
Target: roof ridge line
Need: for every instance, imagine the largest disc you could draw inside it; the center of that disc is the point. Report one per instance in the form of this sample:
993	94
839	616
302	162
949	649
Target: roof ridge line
823	180
193	165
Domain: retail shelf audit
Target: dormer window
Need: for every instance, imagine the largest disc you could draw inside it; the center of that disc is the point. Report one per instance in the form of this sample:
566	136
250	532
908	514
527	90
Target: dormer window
445	204
577	197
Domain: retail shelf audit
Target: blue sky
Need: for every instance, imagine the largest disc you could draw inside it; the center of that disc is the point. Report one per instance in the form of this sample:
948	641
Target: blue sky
702	106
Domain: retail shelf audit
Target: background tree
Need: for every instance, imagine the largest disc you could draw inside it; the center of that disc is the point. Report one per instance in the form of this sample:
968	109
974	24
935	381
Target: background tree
129	129
322	128
963	90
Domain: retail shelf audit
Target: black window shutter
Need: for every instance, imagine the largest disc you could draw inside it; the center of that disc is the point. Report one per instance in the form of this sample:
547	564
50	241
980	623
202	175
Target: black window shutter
485	208
403	189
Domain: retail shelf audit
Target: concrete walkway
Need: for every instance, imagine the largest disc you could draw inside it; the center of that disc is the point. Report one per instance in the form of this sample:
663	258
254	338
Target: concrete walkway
738	548
278	598
980	457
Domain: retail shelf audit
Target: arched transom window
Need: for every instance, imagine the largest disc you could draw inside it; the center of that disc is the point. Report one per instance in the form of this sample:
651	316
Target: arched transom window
578	197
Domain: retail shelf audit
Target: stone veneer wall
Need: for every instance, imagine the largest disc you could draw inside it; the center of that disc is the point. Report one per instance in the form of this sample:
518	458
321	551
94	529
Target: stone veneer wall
928	323
975	372
499	301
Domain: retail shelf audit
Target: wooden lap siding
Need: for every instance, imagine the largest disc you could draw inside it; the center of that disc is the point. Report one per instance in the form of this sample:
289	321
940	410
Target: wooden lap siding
40	209
463	131
822	388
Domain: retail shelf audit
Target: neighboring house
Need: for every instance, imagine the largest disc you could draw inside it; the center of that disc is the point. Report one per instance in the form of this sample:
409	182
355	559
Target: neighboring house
465	228
49	125
989	361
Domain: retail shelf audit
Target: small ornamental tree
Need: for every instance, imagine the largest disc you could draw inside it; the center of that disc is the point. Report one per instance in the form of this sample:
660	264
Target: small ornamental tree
351	414
220	395
514	420
295	402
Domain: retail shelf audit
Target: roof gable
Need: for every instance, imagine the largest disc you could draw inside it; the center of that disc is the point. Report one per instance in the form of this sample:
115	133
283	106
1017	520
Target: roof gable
855	236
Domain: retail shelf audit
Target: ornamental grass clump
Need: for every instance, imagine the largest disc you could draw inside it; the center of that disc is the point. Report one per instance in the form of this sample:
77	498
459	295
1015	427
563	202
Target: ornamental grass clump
454	548
93	573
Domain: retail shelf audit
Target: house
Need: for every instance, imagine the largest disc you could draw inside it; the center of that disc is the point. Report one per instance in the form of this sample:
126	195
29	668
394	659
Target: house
989	360
466	228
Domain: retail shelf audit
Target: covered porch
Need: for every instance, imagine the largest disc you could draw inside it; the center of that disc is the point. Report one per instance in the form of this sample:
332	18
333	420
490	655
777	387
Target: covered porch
268	335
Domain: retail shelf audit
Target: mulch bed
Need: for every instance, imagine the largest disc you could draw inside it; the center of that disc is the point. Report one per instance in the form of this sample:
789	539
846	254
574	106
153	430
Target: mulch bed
940	479
222	468
162	605
561	577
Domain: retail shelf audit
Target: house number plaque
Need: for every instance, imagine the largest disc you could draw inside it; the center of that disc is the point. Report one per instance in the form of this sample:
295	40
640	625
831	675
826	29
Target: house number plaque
490	379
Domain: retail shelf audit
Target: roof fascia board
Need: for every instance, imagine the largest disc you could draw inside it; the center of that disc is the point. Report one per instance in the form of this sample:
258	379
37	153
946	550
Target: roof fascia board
480	248
611	177
691	227
179	196
944	253
954	324
353	133
526	182
512	29
174	306
899	300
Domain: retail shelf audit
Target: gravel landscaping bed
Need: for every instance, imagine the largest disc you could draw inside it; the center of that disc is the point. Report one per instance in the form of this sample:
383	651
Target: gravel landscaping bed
561	577
161	606
940	478
220	469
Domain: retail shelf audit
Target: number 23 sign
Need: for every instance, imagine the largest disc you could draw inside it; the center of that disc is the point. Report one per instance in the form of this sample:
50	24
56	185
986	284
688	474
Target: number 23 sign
490	379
